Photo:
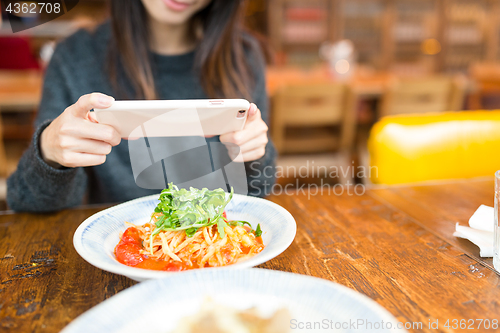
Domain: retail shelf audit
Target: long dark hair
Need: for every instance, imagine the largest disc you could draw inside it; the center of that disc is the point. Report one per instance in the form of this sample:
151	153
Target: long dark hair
220	58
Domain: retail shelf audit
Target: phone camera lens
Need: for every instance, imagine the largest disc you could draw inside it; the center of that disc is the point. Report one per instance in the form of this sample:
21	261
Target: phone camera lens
241	114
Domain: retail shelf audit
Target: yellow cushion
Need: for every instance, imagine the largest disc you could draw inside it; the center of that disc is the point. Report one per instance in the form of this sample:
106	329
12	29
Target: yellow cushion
416	148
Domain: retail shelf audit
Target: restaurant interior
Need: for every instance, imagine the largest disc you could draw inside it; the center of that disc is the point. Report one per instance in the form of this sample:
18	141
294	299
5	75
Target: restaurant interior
348	63
386	118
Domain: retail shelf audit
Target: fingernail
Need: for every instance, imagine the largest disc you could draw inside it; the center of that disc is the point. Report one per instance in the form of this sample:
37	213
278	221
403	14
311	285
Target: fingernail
106	100
253	109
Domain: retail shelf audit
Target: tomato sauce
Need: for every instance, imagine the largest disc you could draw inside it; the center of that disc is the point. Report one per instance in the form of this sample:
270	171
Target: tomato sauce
128	252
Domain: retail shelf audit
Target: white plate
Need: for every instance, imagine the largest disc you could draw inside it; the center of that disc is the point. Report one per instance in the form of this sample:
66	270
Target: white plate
158	305
96	238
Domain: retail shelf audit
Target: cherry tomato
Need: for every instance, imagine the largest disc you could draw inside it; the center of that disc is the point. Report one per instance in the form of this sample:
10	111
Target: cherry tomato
131	235
175	267
128	254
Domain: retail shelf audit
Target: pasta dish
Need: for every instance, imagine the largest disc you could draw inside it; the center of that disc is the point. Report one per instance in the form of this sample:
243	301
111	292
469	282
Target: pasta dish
188	229
216	318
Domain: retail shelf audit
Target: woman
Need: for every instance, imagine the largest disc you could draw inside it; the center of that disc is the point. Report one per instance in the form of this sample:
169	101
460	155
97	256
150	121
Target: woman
151	49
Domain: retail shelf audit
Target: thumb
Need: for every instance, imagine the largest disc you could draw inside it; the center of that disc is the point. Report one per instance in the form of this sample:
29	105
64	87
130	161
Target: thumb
90	101
253	112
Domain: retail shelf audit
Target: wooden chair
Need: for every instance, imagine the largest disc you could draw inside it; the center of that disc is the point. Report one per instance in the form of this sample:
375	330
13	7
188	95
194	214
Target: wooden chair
423	95
487	79
314	118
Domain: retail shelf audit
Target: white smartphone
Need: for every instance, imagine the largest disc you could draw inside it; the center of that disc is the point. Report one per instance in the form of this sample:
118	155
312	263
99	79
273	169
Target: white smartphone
163	118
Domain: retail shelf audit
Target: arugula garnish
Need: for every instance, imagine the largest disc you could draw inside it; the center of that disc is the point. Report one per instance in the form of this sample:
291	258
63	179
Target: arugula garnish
190	210
258	232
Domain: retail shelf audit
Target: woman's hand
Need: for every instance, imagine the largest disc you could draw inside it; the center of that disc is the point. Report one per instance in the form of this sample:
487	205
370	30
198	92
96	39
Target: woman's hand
251	140
74	139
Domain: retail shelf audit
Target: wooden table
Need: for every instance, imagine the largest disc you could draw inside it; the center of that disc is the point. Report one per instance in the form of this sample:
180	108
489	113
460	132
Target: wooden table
394	245
364	82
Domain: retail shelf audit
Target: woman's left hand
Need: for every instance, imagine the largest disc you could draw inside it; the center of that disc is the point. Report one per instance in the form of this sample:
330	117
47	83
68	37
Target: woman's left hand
251	140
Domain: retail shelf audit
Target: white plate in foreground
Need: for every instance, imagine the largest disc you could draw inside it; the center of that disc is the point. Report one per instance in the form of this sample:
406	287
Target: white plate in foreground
158	305
96	238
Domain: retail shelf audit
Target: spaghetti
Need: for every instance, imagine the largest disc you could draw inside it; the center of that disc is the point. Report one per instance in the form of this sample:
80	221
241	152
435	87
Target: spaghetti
208	241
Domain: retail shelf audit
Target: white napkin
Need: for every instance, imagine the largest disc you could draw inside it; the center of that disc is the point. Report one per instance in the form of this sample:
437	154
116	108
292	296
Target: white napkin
483	218
481	230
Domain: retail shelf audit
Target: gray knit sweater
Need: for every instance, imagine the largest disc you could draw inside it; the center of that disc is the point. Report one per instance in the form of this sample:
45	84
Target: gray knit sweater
77	68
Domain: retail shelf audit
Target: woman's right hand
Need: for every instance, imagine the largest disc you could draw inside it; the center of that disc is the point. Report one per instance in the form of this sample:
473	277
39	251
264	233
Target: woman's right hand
74	139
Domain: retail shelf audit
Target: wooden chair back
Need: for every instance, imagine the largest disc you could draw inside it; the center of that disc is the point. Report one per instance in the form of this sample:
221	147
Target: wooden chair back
309	109
423	95
487	79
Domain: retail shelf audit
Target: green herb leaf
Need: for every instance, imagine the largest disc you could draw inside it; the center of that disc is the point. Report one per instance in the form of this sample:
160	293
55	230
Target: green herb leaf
258	232
220	227
190	210
190	232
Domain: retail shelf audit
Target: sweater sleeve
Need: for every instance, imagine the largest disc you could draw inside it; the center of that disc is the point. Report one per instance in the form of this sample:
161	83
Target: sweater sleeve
261	174
35	186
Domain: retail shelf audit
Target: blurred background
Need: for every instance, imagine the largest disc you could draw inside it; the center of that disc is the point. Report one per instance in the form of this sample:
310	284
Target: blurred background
335	67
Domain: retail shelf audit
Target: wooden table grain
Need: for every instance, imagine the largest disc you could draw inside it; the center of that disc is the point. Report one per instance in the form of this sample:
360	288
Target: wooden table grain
393	244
